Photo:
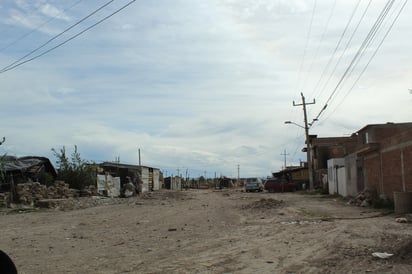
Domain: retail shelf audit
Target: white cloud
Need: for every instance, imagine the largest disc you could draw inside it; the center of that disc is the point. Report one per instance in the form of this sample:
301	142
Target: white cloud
204	86
53	12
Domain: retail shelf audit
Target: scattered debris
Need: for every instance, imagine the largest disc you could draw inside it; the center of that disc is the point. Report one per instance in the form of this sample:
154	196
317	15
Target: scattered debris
301	222
31	193
265	204
369	198
129	190
381	255
363	199
403	251
401	220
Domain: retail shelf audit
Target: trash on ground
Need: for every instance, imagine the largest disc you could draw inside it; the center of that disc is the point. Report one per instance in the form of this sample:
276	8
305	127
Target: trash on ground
382	255
401	220
301	222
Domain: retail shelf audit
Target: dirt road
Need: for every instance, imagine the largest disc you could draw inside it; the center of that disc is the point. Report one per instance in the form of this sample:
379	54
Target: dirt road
208	231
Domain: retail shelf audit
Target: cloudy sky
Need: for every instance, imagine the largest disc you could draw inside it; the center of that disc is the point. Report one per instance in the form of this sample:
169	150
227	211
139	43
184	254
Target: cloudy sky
198	85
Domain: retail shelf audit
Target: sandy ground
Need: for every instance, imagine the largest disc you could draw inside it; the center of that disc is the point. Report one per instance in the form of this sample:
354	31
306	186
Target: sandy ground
208	231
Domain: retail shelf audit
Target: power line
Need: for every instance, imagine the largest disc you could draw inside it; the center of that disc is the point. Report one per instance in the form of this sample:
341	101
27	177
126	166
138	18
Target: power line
338	62
12	65
320	41
370	59
27	11
370	36
363	47
19	62
306	44
346	47
337	46
36	28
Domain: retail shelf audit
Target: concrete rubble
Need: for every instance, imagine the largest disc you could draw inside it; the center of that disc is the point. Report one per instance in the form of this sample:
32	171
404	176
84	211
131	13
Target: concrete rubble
36	194
264	204
363	199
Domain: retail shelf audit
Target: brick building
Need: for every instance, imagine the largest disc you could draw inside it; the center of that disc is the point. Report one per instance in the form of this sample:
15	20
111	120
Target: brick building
295	174
325	148
383	159
380	159
377	157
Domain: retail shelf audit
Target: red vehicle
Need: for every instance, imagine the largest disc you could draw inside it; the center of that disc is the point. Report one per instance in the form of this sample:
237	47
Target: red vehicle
280	185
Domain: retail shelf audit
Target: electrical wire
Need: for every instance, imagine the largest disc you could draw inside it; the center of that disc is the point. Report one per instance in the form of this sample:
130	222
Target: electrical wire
18	62
337	46
369	61
320	41
37	28
338	62
69	39
306	46
362	48
345	49
371	34
27	11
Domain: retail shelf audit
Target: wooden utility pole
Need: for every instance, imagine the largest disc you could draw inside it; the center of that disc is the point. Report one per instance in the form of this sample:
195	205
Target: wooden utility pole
238	175
308	147
284	154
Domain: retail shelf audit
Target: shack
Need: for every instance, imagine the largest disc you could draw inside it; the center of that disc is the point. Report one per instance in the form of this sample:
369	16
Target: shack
25	169
151	177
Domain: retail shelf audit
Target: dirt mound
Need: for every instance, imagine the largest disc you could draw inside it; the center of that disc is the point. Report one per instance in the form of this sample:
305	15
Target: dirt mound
403	252
167	195
265	204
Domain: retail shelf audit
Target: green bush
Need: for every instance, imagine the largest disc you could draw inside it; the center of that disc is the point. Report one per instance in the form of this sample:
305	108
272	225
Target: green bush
76	172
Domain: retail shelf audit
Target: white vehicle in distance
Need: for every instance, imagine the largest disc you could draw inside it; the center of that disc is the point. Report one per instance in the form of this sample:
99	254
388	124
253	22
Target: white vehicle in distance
253	185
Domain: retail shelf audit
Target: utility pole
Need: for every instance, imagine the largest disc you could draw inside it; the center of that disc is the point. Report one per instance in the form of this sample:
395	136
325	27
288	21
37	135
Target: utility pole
238	172
284	154
308	147
140	161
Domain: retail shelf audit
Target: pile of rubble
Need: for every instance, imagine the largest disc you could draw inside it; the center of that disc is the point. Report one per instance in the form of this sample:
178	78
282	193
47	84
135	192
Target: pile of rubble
4	198
33	192
29	193
363	199
265	204
79	203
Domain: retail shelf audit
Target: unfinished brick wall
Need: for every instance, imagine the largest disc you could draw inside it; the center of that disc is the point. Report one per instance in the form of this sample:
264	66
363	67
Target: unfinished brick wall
391	172
372	172
407	166
387	132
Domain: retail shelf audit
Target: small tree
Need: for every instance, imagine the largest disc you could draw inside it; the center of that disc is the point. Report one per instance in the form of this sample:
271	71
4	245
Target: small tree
76	172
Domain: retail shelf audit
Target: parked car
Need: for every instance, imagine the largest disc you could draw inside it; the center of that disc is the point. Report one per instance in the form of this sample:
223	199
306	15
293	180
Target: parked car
253	184
280	185
224	182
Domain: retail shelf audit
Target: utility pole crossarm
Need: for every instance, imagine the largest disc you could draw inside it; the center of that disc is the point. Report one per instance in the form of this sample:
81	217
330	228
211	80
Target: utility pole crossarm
303	102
